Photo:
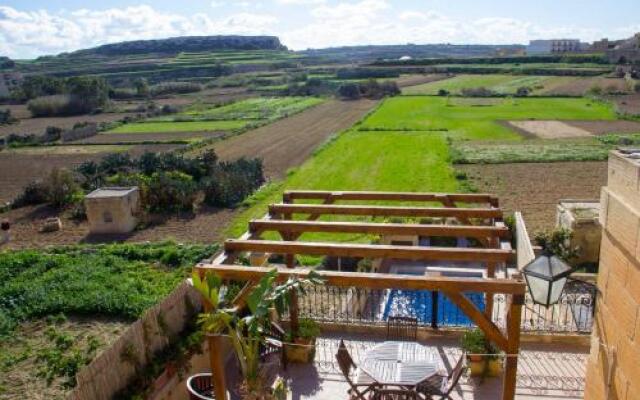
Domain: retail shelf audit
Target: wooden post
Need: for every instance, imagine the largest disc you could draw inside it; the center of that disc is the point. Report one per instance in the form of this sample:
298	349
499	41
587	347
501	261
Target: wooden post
290	262
513	346
218	376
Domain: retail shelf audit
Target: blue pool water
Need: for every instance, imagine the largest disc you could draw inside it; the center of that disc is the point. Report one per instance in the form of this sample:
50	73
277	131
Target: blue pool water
417	303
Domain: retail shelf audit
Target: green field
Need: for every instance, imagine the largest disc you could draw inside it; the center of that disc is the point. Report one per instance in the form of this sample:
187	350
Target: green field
188	126
252	109
403	146
471	121
506	84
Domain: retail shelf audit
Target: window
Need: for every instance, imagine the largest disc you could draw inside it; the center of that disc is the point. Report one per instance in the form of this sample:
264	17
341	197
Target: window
108	218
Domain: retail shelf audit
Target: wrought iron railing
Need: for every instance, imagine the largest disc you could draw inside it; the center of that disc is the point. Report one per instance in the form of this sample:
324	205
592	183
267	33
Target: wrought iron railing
574	313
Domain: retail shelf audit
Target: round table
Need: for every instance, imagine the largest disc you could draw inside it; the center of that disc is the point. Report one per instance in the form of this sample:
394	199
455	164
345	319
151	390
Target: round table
400	363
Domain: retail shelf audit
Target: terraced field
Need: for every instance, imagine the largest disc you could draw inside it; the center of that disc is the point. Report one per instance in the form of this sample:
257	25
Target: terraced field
504	84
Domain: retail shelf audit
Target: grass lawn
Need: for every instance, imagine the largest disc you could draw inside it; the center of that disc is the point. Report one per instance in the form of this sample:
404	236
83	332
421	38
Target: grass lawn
188	126
471	121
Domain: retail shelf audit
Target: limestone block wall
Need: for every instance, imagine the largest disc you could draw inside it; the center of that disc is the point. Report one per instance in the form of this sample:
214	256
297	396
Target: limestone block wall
613	367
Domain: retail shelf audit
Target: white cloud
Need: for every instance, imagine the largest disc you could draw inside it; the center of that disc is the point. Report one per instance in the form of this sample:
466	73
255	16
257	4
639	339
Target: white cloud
27	34
300	2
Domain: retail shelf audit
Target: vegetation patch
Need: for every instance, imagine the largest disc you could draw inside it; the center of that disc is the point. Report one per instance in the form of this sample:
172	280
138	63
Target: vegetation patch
489	152
188	126
502	84
468	121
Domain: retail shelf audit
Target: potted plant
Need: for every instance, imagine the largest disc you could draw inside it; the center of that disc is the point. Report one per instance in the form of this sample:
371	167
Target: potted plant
302	347
482	355
247	333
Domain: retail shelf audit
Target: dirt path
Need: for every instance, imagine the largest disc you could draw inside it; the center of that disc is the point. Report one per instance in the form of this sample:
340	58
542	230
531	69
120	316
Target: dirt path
287	143
536	188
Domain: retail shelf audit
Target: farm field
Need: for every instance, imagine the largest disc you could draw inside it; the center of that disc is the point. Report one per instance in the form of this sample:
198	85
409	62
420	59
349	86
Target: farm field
404	146
297	137
535	189
150	138
286	143
38	125
469	121
21	166
187	126
509	84
505	84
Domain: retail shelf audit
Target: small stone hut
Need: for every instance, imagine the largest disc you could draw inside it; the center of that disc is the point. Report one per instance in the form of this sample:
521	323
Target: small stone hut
581	218
113	209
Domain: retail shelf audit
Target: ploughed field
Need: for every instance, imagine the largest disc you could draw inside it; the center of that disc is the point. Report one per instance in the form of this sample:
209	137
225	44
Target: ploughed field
536	188
20	166
287	143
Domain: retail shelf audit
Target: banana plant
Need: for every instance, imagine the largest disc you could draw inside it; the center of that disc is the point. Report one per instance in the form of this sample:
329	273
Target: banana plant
247	333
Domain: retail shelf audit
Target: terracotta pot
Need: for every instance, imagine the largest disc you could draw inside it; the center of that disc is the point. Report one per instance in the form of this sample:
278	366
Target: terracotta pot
478	366
305	353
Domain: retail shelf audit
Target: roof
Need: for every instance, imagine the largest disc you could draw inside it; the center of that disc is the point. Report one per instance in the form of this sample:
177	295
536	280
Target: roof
111	192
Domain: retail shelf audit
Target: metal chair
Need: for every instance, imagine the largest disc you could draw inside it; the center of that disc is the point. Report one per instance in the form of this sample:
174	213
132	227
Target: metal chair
447	385
360	382
402	328
394	394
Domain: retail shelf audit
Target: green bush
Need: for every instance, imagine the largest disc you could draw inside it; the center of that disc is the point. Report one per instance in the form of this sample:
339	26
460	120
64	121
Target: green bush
172	190
56	105
62	189
174	88
33	194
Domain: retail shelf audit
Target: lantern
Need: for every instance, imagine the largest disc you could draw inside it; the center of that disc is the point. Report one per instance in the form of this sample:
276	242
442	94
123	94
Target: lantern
546	277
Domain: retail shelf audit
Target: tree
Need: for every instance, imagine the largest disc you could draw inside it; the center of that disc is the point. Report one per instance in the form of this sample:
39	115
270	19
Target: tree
88	92
142	87
523	91
349	91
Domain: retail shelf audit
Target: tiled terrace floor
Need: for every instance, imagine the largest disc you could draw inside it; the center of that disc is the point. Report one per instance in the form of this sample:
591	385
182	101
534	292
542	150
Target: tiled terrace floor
545	371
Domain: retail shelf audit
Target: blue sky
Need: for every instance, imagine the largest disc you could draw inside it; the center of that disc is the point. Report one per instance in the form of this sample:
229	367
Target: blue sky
30	28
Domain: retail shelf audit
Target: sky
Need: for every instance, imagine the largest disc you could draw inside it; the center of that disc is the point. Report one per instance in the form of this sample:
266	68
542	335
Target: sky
31	28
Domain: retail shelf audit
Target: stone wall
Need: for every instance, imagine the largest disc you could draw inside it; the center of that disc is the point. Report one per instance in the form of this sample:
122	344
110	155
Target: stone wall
613	367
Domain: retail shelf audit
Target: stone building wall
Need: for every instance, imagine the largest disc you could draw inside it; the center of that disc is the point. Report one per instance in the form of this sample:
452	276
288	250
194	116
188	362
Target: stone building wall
613	367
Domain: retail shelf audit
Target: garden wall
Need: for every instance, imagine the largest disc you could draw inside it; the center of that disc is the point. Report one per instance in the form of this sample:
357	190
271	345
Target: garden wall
613	367
116	367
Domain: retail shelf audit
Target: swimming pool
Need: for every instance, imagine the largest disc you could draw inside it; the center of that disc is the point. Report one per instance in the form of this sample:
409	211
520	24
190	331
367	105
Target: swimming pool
418	303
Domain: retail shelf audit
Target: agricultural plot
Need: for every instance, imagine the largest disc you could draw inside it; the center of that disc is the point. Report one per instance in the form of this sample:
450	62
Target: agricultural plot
24	165
204	120
501	152
468	121
579	86
535	189
37	126
504	84
405	145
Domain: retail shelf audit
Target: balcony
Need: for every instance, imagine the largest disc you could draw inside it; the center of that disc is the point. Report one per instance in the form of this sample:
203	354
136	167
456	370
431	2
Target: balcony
475	282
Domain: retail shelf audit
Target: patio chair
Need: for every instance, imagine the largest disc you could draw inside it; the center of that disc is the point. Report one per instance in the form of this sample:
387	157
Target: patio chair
358	380
200	387
443	386
402	328
394	394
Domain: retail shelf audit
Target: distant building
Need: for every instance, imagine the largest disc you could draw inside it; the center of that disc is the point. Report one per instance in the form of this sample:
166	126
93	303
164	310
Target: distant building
625	51
555	46
113	209
406	58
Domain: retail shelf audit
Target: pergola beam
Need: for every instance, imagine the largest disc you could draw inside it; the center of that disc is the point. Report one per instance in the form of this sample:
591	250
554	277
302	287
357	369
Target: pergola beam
369	251
372	280
384	211
390	196
258	226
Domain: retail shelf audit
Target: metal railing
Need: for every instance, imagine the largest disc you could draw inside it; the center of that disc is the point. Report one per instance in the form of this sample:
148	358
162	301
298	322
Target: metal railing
573	314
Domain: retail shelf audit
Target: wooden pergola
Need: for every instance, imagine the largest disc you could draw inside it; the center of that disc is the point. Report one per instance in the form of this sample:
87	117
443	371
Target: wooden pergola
476	216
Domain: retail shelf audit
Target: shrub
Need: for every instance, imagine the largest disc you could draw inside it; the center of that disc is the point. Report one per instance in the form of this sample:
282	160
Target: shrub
636	87
171	191
34	193
62	188
6	117
523	91
350	91
478	92
56	105
232	182
443	92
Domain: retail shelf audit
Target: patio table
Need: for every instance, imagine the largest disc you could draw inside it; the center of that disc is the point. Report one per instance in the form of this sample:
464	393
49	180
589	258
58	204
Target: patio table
400	363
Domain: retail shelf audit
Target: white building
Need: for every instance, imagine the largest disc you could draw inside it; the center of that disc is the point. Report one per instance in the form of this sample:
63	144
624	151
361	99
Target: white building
555	46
